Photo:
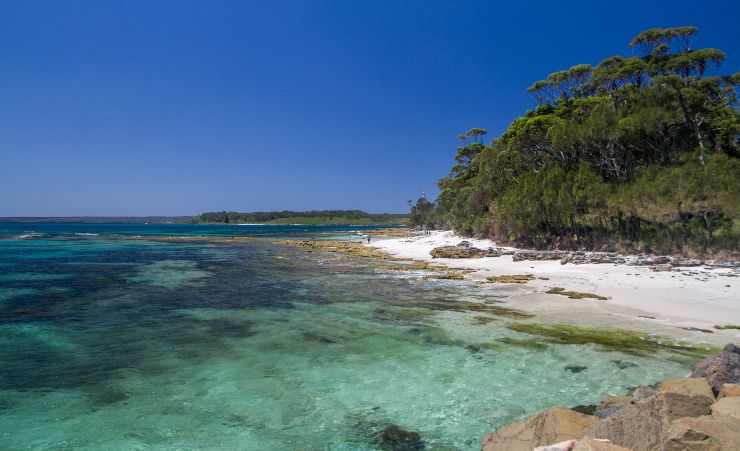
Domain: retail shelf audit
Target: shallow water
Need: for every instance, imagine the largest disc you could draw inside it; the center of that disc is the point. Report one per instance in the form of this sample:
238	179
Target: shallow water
117	341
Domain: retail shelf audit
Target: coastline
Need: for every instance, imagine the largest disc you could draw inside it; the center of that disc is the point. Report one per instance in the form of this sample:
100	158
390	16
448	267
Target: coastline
690	297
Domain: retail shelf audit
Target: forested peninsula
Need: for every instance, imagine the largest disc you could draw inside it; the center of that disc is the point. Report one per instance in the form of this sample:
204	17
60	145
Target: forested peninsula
313	217
635	154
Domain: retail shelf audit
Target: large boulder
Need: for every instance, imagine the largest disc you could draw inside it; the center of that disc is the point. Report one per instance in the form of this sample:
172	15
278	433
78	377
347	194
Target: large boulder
642	392
729	407
721	368
549	426
706	433
694	386
611	405
729	391
590	444
643	426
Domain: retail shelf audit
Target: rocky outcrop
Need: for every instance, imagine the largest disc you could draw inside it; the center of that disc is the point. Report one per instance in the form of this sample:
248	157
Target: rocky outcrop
590	444
680	414
550	426
729	407
729	391
581	258
643	426
611	405
642	392
695	386
721	368
537	255
458	252
706	433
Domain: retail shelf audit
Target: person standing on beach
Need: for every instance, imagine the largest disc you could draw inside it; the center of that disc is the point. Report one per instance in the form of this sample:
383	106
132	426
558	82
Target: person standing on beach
368	239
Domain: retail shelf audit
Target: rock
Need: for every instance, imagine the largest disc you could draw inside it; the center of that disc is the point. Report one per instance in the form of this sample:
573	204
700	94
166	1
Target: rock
729	391
643	426
642	392
622	365
686	262
464	244
614	401
397	439
591	444
695	386
458	252
537	255
587	409
662	267
611	405
703	433
580	258
729	407
721	368
647	260
567	445
550	426
606	413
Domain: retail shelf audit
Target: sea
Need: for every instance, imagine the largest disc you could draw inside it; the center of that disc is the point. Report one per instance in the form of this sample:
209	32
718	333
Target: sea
139	336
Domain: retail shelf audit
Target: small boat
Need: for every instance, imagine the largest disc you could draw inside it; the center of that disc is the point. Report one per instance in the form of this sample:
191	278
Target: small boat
357	236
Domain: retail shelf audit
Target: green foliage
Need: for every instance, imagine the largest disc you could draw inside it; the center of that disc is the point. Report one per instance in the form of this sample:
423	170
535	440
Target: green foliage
641	149
314	217
421	213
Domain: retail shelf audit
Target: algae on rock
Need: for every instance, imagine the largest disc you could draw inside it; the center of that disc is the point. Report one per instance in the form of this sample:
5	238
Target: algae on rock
611	339
574	294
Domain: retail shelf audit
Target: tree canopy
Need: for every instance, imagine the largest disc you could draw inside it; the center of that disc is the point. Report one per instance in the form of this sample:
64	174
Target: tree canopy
638	151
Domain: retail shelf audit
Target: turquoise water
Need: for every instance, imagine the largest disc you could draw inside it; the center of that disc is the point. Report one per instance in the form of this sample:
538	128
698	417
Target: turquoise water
111	338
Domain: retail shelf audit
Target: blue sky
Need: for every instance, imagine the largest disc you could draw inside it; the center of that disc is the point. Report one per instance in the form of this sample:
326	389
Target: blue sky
174	108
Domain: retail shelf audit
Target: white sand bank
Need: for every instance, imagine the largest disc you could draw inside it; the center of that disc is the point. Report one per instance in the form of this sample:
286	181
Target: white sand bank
686	297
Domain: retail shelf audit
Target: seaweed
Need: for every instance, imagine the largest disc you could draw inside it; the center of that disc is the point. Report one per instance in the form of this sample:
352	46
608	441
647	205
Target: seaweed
610	339
727	326
575	294
515	278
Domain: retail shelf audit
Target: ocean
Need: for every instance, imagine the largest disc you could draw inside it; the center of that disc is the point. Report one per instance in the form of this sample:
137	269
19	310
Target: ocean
120	336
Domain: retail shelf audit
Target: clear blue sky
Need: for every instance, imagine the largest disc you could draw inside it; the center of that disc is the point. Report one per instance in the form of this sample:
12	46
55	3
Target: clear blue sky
154	107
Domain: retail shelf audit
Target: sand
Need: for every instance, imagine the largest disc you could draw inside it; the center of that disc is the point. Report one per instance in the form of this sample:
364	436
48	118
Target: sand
700	297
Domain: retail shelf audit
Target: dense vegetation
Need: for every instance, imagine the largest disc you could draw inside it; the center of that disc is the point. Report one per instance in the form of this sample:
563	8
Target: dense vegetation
636	153
317	217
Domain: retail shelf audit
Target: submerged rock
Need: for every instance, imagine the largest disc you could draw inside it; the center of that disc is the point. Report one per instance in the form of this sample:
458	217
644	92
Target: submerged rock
622	365
721	368
396	439
575	368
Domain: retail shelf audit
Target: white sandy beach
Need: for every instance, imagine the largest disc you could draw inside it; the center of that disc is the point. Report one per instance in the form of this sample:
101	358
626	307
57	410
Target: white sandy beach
685	297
